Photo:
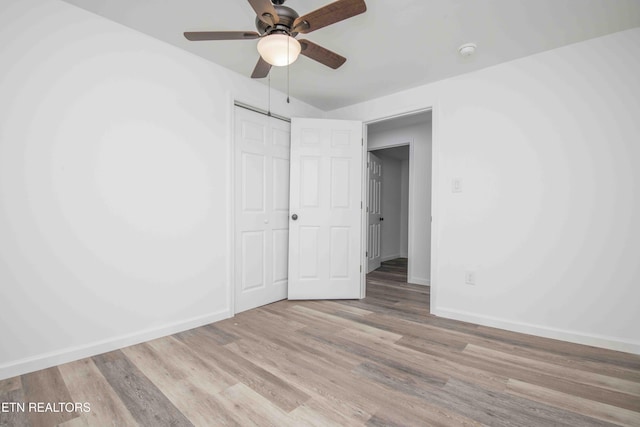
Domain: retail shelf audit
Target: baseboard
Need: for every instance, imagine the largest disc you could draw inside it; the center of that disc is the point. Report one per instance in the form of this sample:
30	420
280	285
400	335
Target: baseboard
594	340
48	360
390	257
418	281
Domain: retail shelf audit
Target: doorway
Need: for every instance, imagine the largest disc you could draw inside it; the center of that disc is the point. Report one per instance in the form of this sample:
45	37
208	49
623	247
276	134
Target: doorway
405	144
388	213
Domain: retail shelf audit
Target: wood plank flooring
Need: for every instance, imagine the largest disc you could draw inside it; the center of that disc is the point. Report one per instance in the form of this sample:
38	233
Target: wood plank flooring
380	361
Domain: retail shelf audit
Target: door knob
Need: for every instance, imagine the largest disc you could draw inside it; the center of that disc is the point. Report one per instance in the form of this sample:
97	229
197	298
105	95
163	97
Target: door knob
381	219
294	217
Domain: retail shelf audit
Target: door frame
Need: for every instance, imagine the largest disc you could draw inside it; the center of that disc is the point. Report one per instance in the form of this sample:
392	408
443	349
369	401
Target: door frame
435	153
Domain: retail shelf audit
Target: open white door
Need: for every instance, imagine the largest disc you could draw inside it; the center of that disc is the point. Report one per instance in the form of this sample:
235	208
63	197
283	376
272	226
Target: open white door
325	209
374	212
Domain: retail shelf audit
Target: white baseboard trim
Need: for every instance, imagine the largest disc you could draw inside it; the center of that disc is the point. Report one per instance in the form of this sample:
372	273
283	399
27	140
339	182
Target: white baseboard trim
418	281
390	257
594	340
60	357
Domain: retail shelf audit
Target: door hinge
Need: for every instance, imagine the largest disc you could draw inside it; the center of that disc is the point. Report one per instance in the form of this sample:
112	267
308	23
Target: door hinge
362	139
366	253
360	269
361	205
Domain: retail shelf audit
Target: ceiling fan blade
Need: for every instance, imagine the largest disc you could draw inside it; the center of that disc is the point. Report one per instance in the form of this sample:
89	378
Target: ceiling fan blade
265	11
320	54
262	69
221	35
330	14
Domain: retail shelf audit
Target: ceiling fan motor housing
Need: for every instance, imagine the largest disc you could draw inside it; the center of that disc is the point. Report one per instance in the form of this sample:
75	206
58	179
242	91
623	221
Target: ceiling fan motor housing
286	17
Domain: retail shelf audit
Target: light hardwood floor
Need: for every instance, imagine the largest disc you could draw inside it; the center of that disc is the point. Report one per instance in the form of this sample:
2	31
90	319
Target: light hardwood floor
379	361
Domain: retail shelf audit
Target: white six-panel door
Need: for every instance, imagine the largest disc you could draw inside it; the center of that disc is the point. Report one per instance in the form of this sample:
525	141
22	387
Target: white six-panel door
325	209
374	212
261	168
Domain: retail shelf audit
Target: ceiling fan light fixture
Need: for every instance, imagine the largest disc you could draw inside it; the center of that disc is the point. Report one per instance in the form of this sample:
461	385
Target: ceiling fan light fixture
279	49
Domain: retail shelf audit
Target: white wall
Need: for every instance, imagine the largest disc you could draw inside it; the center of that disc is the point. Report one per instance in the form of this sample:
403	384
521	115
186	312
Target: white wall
391	204
419	203
546	148
114	185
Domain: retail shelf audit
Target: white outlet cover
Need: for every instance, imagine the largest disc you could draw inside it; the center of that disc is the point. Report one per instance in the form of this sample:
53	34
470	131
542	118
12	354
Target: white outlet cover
470	277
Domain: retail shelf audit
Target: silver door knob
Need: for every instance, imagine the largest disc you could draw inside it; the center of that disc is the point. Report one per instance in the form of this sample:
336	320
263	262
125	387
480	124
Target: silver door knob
294	217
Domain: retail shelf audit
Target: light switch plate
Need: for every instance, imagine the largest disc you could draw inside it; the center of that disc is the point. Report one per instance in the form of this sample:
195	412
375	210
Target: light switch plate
456	185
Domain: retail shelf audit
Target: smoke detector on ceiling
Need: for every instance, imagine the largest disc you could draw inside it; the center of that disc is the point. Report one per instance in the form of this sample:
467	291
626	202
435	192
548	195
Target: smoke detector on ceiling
467	49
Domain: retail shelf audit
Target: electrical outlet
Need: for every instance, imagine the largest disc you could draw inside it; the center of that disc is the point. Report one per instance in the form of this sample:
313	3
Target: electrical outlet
470	277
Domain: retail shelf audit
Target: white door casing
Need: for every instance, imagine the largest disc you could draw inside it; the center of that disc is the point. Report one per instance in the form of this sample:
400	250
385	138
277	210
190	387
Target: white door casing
374	211
261	234
326	199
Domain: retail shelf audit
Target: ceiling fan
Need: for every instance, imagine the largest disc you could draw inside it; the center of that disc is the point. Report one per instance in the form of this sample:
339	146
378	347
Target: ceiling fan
278	25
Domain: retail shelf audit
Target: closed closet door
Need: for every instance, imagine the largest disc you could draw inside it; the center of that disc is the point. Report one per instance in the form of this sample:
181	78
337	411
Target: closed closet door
261	157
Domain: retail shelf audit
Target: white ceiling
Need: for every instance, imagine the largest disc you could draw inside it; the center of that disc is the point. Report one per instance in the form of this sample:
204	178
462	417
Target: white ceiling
393	46
399	122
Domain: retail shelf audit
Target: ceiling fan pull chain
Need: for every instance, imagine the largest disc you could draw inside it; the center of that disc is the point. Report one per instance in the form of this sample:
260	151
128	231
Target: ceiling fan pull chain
288	65
269	97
